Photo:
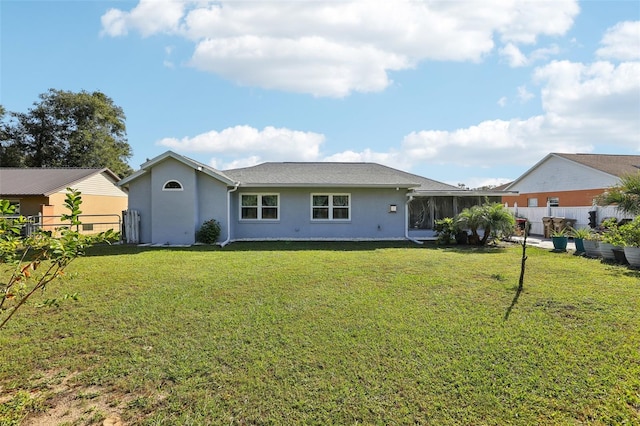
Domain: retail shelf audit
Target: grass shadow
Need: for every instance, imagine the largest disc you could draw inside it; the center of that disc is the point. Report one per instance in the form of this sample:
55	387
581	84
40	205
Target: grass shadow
245	246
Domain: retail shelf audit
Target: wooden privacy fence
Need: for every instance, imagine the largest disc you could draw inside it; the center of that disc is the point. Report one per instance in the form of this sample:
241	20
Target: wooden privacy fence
581	215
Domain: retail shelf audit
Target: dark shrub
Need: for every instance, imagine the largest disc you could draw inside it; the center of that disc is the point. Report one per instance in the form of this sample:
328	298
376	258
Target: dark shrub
208	232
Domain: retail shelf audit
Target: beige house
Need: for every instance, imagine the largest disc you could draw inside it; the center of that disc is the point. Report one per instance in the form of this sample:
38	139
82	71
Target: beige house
39	193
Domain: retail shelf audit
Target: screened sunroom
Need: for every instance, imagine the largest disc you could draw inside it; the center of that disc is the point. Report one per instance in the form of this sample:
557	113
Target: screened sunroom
426	207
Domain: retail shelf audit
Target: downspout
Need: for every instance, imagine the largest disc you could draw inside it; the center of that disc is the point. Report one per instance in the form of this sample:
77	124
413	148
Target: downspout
406	221
229	191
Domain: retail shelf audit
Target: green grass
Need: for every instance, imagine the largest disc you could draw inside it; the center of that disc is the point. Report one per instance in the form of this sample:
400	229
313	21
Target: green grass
351	333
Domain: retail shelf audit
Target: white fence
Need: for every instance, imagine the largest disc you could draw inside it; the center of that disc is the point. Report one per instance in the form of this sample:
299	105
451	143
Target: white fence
535	214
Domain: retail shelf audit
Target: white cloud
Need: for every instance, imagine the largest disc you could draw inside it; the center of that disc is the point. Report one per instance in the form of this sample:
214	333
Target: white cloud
524	95
515	58
621	42
502	101
392	158
597	102
148	17
240	146
585	106
292	64
337	47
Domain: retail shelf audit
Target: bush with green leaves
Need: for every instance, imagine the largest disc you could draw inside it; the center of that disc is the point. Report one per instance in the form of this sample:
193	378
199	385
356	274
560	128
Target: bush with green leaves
612	234
493	218
446	230
29	263
630	233
209	232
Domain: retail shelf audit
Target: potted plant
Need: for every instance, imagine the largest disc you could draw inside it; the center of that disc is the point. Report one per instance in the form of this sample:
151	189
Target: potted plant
560	239
578	238
592	244
630	233
611	239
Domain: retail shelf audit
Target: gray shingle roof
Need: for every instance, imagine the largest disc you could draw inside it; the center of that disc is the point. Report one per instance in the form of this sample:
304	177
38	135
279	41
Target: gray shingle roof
331	175
616	165
42	181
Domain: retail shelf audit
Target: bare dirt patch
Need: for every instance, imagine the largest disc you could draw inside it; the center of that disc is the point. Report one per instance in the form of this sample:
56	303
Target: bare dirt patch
64	402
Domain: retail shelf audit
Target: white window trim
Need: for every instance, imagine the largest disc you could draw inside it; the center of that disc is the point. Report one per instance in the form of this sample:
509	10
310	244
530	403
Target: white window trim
164	186
259	207
330	206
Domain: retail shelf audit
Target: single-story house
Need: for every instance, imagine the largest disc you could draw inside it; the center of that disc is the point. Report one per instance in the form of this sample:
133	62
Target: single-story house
41	192
569	180
174	195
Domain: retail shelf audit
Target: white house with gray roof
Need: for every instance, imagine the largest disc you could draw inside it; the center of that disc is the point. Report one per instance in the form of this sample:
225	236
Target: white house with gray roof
175	195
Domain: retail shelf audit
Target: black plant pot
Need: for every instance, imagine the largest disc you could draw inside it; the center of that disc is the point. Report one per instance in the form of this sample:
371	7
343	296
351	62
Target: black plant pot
462	238
618	254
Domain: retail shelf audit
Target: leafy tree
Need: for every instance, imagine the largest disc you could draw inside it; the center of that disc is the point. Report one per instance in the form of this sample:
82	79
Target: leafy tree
492	218
67	129
30	263
626	195
10	154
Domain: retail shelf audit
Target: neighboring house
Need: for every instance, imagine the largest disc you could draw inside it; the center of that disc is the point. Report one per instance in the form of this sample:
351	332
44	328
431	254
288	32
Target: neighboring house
41	192
570	180
174	195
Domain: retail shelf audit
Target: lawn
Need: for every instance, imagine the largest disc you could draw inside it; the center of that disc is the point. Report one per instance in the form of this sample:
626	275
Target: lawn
349	333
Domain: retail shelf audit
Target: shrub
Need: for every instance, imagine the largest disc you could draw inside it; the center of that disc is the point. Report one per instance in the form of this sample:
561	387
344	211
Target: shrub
446	230
630	233
493	218
612	233
209	232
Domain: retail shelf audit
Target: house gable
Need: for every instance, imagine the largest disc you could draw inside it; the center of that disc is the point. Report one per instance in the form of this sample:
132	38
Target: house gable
557	173
187	162
173	213
34	188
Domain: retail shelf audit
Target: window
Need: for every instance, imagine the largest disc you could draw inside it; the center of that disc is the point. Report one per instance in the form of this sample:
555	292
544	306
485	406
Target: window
259	206
172	185
553	201
532	202
330	206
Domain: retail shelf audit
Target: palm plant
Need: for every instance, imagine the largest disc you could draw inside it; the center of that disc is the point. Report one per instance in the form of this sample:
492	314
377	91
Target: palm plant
493	218
626	195
471	218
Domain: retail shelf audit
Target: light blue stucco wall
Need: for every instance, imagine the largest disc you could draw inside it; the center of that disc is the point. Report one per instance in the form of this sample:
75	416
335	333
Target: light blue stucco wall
370	217
212	202
173	212
173	217
140	200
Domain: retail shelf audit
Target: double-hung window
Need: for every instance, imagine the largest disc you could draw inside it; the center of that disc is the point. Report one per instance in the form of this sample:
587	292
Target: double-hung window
330	206
259	206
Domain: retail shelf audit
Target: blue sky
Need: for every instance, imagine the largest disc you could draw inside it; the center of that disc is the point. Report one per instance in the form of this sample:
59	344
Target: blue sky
472	92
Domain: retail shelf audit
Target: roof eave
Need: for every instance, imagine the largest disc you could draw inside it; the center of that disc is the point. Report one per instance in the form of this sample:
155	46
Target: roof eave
326	185
461	193
187	162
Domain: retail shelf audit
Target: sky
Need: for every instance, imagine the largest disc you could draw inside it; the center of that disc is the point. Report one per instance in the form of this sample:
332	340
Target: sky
473	92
